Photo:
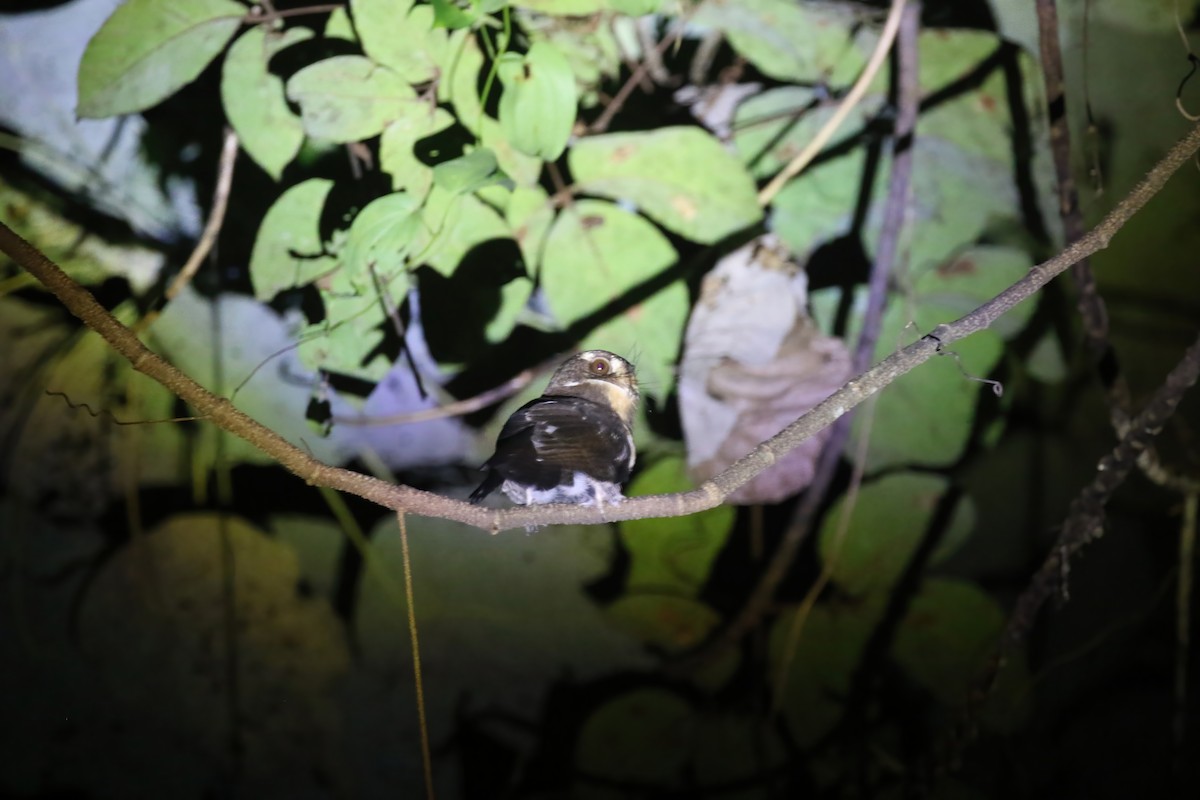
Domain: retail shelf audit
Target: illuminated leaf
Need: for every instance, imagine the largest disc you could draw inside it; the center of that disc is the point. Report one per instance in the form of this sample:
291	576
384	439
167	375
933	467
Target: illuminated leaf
891	517
347	98
148	50
288	250
254	99
537	108
658	172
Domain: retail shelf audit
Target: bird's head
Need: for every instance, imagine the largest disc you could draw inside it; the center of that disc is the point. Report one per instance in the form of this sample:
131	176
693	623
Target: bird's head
599	376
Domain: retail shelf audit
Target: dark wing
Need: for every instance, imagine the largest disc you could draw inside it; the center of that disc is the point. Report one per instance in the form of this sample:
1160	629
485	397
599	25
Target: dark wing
549	438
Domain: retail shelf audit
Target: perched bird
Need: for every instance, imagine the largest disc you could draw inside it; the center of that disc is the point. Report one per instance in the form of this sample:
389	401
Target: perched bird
574	444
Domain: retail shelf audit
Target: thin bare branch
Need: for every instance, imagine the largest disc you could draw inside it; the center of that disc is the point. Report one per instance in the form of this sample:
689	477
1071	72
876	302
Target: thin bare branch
216	217
82	304
460	407
1085	518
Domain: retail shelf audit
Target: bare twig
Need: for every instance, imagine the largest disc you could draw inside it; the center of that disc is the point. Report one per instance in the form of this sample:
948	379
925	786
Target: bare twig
104	413
802	159
1092	309
1193	60
1086	514
651	61
460	407
1084	524
216	217
1091	305
82	304
1183	616
269	14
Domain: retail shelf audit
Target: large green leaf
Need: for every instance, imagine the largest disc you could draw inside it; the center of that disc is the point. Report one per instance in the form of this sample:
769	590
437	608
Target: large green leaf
166	664
639	738
348	98
380	241
672	555
537	108
398	36
530	213
396	156
288	250
812	665
681	176
771	128
148	50
891	517
467	173
819	205
460	85
346	341
454	224
926	417
595	253
950	631
475	595
254	100
796	42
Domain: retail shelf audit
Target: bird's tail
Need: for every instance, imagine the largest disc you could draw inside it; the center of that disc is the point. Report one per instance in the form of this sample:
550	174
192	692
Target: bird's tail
490	484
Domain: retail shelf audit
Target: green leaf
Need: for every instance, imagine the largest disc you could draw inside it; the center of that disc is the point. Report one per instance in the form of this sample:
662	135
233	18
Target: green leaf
635	8
447	15
380	240
595	253
926	417
667	623
566	8
476	596
254	100
945	640
454	224
339	26
348	98
638	738
530	214
771	128
467	173
163	669
514	296
523	169
956	287
352	330
819	205
148	50
794	42
288	250
821	658
682	177
398	36
537	108
396	155
672	555
460	87
890	519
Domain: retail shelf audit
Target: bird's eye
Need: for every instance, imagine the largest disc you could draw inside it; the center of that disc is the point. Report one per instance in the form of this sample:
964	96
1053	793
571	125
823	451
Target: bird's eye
600	367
